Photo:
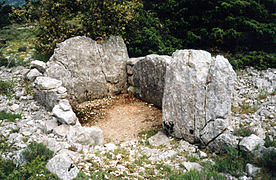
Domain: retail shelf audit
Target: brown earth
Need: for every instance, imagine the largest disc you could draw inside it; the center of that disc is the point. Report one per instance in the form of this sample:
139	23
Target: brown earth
120	117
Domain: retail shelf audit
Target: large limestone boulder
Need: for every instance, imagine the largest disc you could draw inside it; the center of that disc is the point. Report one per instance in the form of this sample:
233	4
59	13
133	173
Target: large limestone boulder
149	78
89	69
197	96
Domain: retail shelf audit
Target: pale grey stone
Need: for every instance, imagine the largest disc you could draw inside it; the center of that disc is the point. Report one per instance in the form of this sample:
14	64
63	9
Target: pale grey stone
198	91
48	98
63	167
61	130
213	129
248	144
47	83
50	125
186	146
225	139
18	158
86	135
159	139
251	170
14	107
39	65
202	154
162	156
33	74
67	117
88	69
192	165
110	146
149	78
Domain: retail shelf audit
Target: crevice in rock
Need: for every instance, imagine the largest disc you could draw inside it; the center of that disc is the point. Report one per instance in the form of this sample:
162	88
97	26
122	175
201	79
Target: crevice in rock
215	137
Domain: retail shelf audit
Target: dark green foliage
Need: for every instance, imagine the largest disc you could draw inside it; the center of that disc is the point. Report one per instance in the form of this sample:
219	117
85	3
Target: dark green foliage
9	116
244	31
268	160
6	88
232	162
258	59
4	14
22	49
6	168
5	62
35	149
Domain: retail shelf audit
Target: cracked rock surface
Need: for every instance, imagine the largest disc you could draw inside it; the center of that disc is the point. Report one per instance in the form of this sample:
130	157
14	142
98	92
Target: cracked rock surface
197	96
89	69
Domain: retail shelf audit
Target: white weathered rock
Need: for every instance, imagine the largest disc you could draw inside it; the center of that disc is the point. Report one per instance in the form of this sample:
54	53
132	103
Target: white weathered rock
197	96
251	170
159	139
88	69
149	78
14	107
191	165
33	74
50	125
63	167
248	144
86	135
61	130
47	83
110	146
65	116
39	65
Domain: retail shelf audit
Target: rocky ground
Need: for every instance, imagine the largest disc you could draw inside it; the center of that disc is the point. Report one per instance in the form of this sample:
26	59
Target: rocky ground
146	157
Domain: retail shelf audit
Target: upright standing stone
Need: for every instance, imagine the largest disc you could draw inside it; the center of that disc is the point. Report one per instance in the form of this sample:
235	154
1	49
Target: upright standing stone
197	96
89	69
149	78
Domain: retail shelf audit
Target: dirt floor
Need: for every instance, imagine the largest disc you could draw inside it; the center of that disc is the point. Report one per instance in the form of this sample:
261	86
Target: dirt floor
120	117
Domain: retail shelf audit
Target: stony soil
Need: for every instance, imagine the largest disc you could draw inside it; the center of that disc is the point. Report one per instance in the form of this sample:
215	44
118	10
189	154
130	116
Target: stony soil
121	117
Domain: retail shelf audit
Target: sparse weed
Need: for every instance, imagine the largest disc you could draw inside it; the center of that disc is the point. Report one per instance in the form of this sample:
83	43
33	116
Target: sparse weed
243	131
10	117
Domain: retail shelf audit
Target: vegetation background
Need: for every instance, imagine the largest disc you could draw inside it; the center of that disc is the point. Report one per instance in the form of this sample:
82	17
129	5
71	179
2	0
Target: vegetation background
242	30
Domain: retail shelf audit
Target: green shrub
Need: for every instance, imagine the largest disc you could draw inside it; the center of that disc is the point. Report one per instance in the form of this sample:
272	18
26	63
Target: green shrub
6	167
268	160
8	116
34	169
232	162
35	149
258	59
198	175
6	88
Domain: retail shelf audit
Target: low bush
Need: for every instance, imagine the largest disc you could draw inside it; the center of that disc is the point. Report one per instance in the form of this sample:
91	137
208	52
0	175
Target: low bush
34	169
6	88
198	175
232	162
268	160
35	150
